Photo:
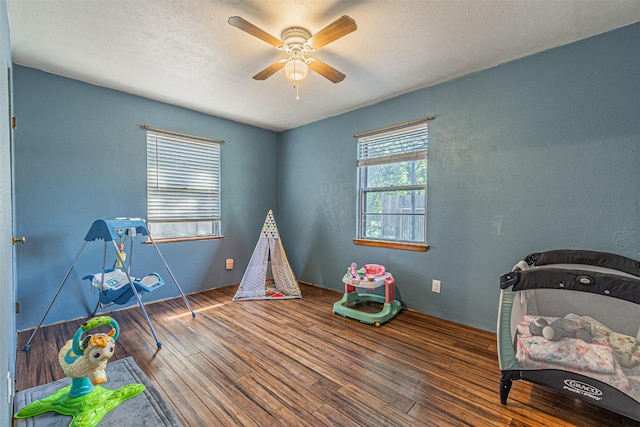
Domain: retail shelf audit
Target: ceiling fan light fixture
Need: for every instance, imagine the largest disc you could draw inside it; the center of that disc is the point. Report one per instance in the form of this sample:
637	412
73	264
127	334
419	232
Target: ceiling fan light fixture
296	42
296	70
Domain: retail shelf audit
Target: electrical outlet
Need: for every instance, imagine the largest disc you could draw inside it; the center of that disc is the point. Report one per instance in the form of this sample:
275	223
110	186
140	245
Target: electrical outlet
435	286
9	387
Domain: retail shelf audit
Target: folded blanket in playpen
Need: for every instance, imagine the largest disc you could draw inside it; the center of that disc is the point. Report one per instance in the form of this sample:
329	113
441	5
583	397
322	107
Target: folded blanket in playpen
604	359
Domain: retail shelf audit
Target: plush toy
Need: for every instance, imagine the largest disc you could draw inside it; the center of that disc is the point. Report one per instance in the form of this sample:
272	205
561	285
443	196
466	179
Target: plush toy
561	328
97	349
625	348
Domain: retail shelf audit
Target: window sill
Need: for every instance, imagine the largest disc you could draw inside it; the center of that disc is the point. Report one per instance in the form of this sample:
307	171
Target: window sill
183	239
391	245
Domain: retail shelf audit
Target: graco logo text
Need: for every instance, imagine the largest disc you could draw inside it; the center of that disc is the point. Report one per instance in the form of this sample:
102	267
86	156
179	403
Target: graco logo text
583	389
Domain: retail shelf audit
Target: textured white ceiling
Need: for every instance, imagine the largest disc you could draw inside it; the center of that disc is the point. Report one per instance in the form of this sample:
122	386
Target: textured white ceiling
184	52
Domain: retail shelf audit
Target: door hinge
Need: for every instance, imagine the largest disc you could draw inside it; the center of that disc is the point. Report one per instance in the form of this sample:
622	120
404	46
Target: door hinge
17	307
14	122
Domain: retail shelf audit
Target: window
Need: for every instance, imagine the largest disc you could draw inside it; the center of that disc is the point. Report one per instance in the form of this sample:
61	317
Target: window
183	187
392	196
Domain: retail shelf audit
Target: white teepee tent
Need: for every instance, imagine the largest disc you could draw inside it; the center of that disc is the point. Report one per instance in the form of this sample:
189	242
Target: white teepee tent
254	284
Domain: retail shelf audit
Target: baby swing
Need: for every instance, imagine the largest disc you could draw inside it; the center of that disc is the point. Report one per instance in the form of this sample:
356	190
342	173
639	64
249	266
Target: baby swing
117	285
112	283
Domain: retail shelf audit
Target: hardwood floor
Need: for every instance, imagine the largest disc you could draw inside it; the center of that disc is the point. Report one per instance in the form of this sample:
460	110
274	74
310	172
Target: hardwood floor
295	363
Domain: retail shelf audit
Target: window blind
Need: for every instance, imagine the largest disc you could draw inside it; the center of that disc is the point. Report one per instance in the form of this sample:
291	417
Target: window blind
183	179
396	146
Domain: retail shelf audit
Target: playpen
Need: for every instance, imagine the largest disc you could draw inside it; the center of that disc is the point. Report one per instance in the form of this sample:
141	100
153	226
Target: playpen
570	320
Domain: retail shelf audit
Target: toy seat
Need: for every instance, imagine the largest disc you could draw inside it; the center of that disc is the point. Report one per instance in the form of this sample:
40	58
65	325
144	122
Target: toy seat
116	289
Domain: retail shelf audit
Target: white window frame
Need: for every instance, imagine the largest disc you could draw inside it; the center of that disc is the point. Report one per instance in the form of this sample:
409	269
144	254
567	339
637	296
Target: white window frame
183	187
407	144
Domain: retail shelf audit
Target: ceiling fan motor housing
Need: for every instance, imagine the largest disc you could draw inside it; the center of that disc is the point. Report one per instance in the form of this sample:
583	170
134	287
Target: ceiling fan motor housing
295	37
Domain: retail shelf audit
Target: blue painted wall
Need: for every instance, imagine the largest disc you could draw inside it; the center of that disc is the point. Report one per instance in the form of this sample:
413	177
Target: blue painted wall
536	154
80	155
540	153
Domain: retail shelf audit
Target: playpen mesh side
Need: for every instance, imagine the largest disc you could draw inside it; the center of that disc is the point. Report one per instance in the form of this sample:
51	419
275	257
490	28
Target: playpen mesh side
612	356
506	328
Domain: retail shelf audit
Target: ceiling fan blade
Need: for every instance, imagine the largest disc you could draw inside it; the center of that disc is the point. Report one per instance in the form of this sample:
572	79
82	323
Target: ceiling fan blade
270	70
248	27
326	71
338	28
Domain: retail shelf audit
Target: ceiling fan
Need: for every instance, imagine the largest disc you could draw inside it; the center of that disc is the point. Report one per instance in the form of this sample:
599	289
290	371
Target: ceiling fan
296	43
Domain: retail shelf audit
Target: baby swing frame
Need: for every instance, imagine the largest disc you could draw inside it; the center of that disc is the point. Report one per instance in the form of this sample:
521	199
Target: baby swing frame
107	230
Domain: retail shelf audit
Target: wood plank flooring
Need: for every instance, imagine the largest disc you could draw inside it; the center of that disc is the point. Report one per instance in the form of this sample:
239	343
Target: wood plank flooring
295	363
